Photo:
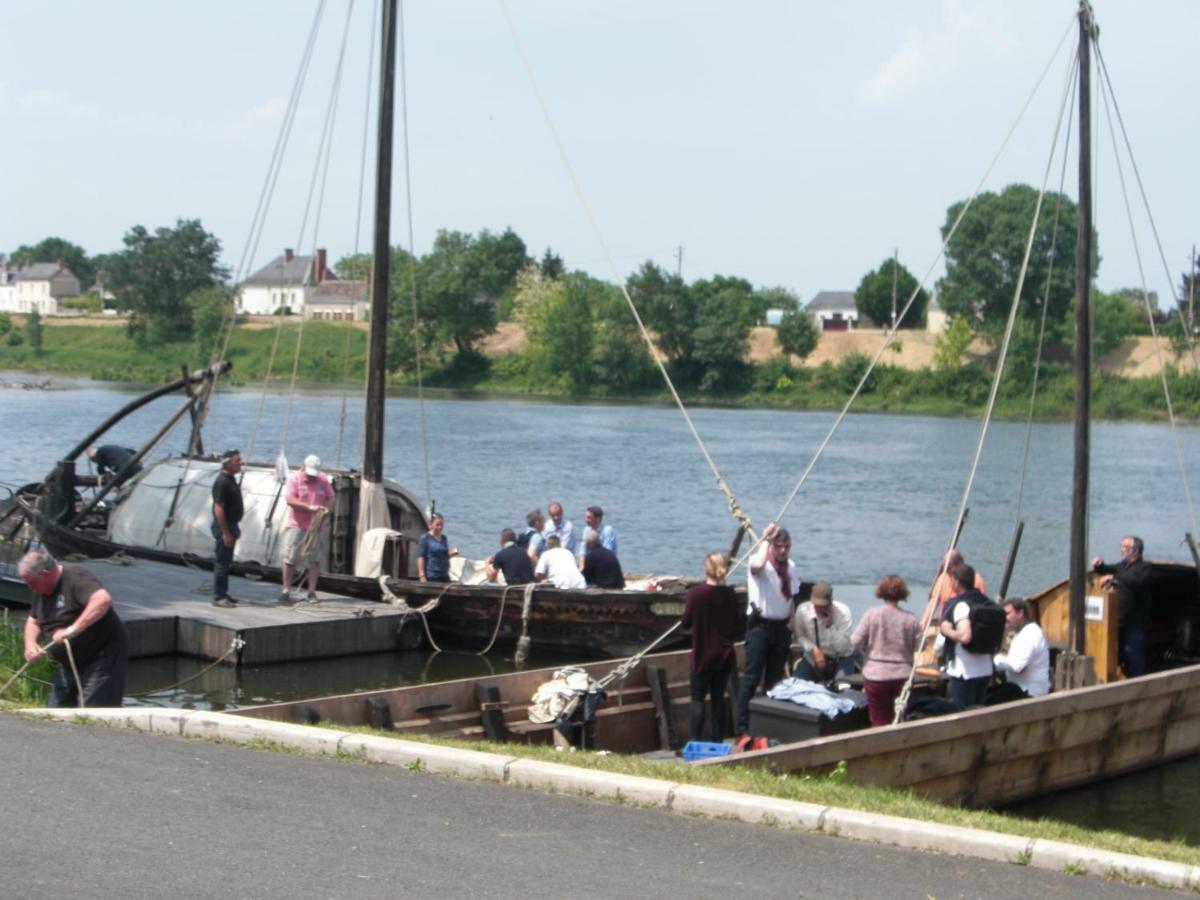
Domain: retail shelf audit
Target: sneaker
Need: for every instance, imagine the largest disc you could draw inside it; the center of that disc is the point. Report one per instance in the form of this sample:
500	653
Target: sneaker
225	602
310	597
285	599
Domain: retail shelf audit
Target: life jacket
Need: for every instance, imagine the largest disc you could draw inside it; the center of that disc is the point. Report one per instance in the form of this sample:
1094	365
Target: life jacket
987	622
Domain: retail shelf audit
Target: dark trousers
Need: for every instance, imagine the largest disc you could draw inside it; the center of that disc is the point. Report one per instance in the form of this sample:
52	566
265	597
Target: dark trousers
223	559
707	684
966	692
102	679
767	647
1005	693
1132	652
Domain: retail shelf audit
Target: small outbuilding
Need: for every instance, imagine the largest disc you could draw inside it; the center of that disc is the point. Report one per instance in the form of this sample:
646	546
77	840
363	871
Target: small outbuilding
835	311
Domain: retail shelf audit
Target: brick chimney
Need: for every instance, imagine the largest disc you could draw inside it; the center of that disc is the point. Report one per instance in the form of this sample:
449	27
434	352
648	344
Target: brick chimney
288	254
318	267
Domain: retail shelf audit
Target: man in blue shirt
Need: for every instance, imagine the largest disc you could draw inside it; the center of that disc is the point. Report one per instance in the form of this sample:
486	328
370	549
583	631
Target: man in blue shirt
531	538
560	527
594	516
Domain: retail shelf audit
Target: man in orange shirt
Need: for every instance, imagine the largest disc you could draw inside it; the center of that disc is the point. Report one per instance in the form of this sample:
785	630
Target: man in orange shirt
943	587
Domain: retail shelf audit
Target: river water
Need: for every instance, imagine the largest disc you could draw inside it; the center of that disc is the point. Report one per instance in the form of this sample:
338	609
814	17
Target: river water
882	498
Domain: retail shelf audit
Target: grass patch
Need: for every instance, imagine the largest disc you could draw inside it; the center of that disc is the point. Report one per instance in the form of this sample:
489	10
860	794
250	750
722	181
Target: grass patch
826	791
33	687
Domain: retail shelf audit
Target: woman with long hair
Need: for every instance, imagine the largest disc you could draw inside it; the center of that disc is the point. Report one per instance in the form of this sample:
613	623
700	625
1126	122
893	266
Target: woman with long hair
710	610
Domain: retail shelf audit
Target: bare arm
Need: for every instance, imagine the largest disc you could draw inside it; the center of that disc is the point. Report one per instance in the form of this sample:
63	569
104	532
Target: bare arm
960	633
97	605
758	558
32	630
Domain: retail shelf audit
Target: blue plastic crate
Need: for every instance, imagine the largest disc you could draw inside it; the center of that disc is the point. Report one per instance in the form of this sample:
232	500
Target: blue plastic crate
695	750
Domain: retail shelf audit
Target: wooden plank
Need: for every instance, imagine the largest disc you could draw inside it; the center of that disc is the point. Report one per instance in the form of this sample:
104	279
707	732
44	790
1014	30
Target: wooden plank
491	713
660	694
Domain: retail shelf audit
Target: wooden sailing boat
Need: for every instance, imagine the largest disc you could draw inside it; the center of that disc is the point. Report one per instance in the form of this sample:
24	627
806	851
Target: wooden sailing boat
163	513
1095	725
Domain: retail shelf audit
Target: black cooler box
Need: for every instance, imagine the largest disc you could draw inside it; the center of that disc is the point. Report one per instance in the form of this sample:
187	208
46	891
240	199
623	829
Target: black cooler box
789	722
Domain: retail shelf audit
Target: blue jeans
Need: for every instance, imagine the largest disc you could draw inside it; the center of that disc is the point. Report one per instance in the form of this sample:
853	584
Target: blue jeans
222	559
767	647
102	680
1132	653
841	665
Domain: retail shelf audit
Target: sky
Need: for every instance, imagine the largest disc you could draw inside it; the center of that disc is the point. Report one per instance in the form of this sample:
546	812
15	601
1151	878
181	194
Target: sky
791	143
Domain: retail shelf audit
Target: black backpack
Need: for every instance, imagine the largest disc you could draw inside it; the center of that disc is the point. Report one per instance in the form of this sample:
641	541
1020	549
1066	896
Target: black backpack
987	622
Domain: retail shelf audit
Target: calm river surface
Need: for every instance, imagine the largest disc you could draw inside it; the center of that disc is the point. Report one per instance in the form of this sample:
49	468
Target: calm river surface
882	498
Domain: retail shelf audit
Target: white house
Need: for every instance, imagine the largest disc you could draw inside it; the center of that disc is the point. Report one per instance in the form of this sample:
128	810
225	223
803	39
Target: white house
338	301
37	286
835	311
285	281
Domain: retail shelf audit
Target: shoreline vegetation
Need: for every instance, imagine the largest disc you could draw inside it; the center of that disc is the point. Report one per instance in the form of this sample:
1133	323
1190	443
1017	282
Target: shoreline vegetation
335	354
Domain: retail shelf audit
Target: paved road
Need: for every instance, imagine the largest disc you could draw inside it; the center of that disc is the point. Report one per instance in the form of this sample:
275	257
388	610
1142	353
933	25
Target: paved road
100	812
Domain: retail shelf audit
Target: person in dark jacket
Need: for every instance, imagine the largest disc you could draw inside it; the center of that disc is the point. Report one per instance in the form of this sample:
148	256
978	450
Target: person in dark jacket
1131	579
110	459
600	567
512	560
710	610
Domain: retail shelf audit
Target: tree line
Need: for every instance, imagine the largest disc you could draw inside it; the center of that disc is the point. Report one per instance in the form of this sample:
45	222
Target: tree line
581	334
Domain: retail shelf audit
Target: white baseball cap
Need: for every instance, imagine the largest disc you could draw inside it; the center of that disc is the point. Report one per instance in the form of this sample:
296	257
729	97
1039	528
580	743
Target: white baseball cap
312	464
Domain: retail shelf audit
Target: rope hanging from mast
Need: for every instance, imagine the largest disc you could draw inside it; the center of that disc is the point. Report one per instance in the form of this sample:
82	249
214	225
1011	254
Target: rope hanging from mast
902	698
412	256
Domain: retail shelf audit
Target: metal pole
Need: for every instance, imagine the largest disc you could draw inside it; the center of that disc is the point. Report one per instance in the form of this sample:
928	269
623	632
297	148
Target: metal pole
1083	341
895	276
381	254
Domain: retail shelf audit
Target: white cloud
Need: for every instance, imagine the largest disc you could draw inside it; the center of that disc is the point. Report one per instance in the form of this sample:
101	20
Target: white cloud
929	57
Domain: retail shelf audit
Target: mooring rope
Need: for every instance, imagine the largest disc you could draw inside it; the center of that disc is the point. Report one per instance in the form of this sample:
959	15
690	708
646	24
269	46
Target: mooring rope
524	642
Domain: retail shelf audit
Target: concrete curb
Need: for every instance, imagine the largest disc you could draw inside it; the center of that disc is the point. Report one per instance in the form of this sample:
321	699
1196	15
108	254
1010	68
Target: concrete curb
678	798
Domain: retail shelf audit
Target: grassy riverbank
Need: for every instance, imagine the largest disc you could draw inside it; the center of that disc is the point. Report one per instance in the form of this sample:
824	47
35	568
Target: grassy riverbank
834	790
331	353
32	688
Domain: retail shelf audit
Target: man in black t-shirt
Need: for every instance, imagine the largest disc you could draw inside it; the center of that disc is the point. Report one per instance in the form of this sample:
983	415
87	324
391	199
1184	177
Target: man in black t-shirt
600	567
72	609
512	560
227	514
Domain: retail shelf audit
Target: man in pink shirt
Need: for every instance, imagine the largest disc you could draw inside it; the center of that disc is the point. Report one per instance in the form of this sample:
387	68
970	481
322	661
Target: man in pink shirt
309	497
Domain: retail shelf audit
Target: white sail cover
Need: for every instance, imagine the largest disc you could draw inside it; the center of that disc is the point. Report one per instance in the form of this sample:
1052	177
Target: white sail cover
139	517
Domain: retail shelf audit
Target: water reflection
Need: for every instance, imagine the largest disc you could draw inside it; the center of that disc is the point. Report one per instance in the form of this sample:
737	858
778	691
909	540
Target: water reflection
1158	803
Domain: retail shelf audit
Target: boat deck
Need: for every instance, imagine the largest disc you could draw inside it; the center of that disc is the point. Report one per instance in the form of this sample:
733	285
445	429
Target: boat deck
168	609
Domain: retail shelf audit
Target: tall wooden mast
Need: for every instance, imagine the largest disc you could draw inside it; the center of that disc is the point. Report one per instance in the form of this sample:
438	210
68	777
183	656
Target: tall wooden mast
1083	340
381	253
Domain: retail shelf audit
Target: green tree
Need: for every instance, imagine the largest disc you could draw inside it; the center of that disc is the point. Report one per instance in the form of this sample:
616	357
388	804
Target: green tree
464	278
1113	319
668	308
873	297
53	249
556	316
797	333
551	265
33	331
983	260
210	307
355	267
157	271
950	346
722	339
